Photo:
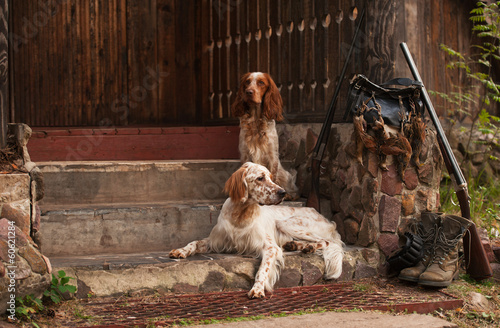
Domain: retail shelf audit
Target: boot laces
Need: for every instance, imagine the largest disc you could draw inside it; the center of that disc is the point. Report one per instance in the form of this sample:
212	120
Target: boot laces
445	245
427	238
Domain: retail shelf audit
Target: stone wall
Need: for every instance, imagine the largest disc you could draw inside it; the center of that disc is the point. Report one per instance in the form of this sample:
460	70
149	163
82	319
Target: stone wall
23	269
370	206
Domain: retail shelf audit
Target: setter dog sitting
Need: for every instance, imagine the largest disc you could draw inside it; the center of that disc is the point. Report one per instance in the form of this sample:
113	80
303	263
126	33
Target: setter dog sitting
258	105
248	225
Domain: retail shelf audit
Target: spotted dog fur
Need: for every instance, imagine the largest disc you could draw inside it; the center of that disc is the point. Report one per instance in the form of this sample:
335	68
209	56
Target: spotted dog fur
250	223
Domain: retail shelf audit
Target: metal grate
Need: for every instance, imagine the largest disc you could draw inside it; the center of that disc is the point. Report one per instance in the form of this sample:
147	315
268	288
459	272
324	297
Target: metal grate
166	310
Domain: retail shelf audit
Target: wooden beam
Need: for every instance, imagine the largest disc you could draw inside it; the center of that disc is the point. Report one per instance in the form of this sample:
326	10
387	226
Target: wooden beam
4	71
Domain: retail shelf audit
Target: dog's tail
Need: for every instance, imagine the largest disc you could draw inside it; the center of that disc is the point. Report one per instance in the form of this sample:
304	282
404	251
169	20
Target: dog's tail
333	255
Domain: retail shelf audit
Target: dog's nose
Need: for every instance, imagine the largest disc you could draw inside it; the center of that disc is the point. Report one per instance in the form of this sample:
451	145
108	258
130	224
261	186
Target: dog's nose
282	193
249	92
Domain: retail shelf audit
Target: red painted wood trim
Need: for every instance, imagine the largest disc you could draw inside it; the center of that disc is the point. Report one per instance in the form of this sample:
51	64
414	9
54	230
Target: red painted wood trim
99	144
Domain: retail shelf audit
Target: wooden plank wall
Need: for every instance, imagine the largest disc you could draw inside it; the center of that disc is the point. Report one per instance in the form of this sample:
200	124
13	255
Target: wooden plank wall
105	63
301	43
178	62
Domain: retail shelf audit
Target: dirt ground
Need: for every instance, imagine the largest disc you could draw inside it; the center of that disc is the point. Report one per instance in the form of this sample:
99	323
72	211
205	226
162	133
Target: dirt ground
78	313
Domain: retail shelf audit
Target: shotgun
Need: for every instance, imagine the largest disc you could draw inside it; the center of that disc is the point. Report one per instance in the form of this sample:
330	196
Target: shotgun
319	148
476	261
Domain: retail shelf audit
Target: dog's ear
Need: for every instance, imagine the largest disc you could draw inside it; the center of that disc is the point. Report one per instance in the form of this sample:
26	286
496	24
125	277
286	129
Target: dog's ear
236	186
273	103
239	106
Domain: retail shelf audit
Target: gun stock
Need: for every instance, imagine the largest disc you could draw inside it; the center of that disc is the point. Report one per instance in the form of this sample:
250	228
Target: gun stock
476	261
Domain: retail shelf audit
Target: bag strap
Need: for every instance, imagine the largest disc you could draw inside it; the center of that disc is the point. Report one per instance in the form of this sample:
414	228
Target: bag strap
404	81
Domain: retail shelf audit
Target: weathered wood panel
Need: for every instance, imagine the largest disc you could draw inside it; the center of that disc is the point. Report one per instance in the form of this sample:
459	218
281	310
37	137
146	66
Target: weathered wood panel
105	143
297	42
178	62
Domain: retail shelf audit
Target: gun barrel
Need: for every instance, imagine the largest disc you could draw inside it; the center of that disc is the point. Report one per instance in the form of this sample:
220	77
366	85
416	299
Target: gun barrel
457	173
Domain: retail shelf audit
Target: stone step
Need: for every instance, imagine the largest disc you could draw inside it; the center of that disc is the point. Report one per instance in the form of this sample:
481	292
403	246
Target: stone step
126	228
121	182
133	274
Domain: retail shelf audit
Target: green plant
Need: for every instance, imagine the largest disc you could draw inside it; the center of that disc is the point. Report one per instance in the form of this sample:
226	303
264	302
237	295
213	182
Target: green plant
479	90
473	102
58	286
28	306
484	202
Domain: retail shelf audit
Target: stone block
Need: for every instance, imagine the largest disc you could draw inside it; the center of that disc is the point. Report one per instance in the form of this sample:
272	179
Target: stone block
23	269
34	259
370	255
347	272
408	204
334	141
496	251
301	154
426	173
495	267
292	147
4	255
388	243
335	197
183	288
411	178
289	277
344	200
21	238
405	225
389	213
363	270
338	218
372	164
343	159
355	197
368	193
14	187
488	250
311	274
19	212
367	232
391	182
214	282
311	140
351	228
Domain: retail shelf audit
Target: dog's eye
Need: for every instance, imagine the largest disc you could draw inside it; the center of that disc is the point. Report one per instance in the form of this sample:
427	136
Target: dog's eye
260	179
261	83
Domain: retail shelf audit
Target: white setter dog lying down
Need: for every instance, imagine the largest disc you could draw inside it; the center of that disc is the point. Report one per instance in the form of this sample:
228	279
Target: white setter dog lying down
258	105
250	223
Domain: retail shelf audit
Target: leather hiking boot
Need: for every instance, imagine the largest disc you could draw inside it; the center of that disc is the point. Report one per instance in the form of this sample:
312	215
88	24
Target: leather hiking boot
445	263
426	229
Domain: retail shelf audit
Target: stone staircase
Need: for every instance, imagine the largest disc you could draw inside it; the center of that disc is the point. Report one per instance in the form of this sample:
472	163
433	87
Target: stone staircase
111	224
93	208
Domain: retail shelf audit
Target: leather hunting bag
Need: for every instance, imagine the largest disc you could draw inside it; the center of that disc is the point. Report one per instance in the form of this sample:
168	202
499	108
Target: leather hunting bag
394	99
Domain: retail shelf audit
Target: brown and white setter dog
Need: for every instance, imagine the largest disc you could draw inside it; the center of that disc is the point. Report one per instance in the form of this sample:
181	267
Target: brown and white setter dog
250	223
258	105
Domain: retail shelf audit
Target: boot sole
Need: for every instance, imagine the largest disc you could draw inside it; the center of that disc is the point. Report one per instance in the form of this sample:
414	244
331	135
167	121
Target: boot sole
407	278
434	283
431	283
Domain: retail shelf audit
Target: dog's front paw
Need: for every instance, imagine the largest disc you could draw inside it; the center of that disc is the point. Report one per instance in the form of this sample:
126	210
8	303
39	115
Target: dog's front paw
177	254
256	292
290	246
